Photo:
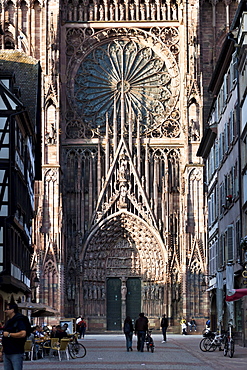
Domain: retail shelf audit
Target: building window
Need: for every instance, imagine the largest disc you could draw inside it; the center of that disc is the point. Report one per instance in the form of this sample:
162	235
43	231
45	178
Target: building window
1	249
237	238
230	243
245	187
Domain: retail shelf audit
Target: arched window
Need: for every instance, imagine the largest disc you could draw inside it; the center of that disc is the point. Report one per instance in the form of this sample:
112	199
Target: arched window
10	12
9	44
24	10
50	284
37	31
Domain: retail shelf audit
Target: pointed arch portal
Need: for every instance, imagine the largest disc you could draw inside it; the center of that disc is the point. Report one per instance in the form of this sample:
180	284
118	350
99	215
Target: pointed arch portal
124	270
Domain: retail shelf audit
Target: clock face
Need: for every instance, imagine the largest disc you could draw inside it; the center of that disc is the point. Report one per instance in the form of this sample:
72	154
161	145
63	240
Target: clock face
123	73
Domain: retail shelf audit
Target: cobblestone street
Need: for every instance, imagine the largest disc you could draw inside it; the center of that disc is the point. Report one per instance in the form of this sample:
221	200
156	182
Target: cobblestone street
180	352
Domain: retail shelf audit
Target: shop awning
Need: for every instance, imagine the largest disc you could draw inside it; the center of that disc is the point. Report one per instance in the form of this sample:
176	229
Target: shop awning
38	309
31	306
45	312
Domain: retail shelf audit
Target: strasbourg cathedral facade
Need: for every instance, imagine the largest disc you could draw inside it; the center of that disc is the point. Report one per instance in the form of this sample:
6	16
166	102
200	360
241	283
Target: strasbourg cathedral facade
120	219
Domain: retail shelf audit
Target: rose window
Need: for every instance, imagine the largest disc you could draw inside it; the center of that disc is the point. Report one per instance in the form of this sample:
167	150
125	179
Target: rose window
127	78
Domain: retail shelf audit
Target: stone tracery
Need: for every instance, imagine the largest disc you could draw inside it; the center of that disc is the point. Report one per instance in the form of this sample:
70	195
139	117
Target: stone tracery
129	68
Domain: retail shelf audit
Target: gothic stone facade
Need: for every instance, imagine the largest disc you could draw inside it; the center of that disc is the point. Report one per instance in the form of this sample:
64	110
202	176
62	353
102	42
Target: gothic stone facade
121	220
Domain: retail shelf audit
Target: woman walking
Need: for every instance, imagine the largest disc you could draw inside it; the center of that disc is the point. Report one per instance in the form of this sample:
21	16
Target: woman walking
128	331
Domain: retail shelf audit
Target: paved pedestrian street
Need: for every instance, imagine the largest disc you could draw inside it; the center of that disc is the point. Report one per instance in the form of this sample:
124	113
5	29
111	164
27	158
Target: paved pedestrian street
179	352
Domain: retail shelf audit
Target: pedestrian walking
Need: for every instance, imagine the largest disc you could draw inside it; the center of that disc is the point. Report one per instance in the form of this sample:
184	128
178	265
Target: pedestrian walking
128	331
77	324
141	328
82	327
14	336
164	326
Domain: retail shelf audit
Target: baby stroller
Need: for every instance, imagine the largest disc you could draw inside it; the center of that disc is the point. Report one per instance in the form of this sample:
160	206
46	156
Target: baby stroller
149	341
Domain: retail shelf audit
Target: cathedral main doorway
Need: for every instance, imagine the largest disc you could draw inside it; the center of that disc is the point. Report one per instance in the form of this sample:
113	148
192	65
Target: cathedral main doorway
123	299
133	299
114	304
123	272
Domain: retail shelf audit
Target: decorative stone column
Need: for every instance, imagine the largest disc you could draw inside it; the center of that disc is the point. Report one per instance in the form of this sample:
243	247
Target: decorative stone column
123	296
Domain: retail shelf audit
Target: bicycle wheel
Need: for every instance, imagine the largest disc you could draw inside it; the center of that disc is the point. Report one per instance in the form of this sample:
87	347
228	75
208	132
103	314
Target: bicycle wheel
225	348
71	352
209	345
201	345
77	350
231	348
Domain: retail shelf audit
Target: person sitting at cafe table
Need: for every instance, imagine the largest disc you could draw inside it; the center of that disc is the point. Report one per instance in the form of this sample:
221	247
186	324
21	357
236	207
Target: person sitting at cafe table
66	328
36	353
60	333
53	331
46	331
38	332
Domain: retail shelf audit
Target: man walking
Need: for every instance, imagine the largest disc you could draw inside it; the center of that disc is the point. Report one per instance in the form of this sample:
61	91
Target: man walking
141	328
14	337
164	326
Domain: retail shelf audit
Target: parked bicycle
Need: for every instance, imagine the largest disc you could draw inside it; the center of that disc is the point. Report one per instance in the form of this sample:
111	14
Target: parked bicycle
211	341
76	349
229	345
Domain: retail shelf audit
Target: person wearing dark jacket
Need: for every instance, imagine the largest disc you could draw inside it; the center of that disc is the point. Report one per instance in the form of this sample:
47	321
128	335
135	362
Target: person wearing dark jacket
164	326
14	337
128	331
60	334
141	328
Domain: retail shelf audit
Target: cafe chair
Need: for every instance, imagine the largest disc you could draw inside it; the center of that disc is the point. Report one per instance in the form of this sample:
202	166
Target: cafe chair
63	348
28	349
51	346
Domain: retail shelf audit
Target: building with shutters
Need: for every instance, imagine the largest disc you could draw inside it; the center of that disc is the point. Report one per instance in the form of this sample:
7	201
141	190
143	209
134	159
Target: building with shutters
223	146
19	132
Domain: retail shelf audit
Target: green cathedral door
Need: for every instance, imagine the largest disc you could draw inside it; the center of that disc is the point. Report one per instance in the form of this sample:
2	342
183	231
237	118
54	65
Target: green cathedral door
114	320
133	299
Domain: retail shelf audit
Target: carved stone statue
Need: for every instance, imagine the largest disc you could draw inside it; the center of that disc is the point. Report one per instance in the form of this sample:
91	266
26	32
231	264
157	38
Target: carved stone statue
111	10
121	8
132	12
91	12
123	192
123	172
163	12
80	12
101	13
123	291
142	11
153	12
51	135
194	130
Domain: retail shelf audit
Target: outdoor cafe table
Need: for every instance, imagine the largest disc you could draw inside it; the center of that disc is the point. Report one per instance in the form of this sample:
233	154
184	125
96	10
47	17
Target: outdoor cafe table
40	342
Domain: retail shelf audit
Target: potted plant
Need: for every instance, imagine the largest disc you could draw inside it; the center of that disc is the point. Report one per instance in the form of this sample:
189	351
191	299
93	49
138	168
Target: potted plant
229	198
